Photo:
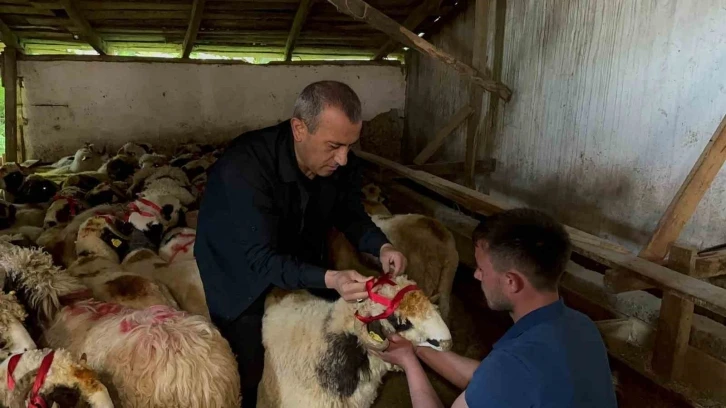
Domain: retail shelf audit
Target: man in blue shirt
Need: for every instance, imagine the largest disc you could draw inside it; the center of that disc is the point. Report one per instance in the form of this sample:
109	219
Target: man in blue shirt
553	356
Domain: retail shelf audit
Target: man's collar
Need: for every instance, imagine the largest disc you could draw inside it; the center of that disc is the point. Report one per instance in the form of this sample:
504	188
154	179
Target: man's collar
531	319
287	164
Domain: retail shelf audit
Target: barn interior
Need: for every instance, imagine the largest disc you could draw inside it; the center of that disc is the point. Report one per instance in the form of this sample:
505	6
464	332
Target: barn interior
584	109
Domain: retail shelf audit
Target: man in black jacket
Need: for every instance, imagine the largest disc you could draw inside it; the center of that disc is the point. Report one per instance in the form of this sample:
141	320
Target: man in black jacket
268	204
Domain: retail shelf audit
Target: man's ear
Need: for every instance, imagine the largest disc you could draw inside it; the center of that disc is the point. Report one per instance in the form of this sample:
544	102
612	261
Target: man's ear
299	129
514	282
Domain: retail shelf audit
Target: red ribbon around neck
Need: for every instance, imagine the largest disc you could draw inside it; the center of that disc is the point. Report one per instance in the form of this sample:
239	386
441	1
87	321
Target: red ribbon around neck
390	304
72	203
135	209
176	248
36	401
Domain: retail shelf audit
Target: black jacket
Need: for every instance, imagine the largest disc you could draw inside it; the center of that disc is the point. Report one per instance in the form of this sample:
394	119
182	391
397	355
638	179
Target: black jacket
262	222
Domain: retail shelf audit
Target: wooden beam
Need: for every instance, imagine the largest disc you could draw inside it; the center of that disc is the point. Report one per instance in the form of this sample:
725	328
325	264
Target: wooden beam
195	21
475	135
699	292
300	16
454	168
674	321
417	16
10	78
9	38
360	10
82	24
710	265
435	143
682	206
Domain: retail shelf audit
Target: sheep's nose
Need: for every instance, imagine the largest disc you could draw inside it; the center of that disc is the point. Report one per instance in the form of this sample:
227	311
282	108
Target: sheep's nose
445	345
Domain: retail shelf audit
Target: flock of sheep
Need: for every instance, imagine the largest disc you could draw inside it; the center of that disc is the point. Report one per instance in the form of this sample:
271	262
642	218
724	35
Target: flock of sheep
97	269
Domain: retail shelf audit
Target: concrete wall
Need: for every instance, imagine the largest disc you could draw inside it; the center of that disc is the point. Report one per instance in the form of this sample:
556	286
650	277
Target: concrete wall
613	103
67	103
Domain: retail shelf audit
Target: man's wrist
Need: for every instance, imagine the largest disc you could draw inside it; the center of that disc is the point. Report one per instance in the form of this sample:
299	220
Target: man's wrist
410	363
330	278
386	245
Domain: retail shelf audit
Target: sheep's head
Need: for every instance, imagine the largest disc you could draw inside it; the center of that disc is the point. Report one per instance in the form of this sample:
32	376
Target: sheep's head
86	159
372	200
415	318
153	160
14	338
121	167
135	149
104	236
66	205
12	176
178	245
36	189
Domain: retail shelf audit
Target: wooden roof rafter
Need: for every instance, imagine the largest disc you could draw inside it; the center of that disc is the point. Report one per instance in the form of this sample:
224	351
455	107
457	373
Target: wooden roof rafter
360	10
9	38
195	21
417	16
81	23
300	16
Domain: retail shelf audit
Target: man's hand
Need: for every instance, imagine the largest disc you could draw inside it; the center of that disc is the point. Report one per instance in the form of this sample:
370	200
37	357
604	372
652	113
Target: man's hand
399	352
393	261
350	284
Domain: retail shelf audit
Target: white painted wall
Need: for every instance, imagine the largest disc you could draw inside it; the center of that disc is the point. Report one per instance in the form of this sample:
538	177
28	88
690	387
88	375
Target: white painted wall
66	103
613	103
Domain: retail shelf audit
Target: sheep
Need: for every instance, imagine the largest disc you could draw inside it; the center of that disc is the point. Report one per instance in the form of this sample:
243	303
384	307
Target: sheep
36	189
14	338
332	367
198	166
12	176
136	150
152	216
85	159
85	181
120	167
7	214
65	383
157	357
153	160
149	174
175	267
69	202
106	193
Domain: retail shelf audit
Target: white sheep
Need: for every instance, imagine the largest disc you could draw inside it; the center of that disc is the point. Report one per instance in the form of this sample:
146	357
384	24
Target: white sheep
14	338
66	381
314	349
157	357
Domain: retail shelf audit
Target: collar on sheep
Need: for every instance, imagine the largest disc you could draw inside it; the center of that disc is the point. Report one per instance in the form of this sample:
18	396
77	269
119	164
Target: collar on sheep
72	202
390	304
134	208
36	401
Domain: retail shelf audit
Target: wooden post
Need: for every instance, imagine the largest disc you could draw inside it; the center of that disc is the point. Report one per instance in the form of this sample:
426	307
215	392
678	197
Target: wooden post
300	16
417	16
10	80
82	24
195	20
438	139
360	10
674	321
476	135
9	38
680	209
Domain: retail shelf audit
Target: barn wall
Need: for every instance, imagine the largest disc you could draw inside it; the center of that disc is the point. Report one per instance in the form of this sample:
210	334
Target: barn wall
613	103
66	103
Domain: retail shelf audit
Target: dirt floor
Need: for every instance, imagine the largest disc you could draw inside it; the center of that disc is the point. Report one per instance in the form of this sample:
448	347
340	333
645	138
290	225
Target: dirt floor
475	328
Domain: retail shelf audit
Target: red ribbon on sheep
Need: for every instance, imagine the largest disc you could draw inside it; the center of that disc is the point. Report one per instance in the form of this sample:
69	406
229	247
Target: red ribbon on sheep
391	304
36	401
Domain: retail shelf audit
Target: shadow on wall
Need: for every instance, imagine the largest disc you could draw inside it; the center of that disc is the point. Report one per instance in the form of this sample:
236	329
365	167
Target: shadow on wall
581	210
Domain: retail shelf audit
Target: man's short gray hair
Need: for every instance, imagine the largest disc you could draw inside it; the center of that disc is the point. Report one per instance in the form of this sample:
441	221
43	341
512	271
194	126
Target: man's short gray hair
318	95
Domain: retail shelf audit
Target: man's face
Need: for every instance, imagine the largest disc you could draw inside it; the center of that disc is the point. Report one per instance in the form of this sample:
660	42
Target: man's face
323	151
492	282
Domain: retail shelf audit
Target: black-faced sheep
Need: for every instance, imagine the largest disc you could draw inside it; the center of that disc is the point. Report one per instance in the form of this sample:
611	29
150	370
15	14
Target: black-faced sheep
153	358
36	189
106	193
314	349
11	178
120	167
68	203
61	381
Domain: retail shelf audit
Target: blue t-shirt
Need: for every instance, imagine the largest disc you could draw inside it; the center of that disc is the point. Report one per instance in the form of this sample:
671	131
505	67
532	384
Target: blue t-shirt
552	357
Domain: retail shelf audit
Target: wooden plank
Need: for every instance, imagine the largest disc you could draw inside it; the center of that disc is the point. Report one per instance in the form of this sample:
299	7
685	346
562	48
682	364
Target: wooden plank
26	10
701	293
435	143
475	135
300	16
674	321
710	265
87	32
9	38
10	78
681	208
416	17
454	168
688	196
194	22
360	10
